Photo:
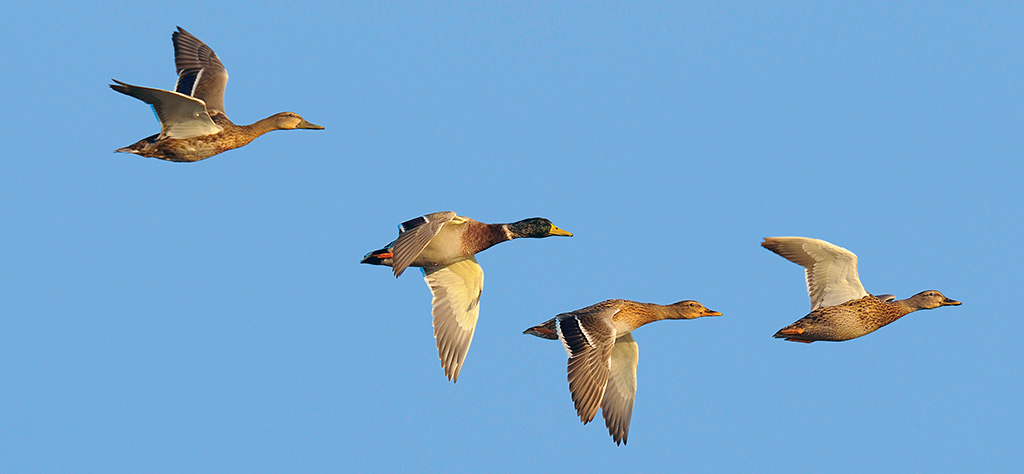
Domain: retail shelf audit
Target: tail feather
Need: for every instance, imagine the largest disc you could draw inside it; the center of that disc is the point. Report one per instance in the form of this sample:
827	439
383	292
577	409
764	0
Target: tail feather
793	332
139	146
378	257
545	330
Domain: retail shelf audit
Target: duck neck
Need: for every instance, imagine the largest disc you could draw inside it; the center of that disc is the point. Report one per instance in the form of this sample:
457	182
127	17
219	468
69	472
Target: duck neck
485	236
259	128
899	309
659	312
241	135
646	313
503	232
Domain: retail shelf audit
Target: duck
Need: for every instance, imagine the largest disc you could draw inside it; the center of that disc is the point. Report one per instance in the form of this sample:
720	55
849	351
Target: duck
193	124
603	355
444	246
841	309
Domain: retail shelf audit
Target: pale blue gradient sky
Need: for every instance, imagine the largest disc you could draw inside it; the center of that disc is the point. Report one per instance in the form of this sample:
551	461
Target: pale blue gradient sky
213	317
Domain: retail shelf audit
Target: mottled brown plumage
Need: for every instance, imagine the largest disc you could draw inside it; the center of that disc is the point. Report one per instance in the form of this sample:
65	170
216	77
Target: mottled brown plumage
193	124
603	356
858	317
204	146
840	307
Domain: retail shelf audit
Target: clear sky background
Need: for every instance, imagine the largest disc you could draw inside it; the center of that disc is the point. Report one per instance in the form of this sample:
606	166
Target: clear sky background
213	317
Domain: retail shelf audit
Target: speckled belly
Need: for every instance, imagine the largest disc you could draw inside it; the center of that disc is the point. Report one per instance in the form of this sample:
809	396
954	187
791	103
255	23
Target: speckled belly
188	150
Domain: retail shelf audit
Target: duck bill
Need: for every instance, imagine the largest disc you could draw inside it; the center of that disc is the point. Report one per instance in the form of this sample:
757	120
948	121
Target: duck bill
949	302
309	126
556	231
710	312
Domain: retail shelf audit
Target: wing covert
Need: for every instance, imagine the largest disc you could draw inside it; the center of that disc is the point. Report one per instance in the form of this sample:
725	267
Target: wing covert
413	237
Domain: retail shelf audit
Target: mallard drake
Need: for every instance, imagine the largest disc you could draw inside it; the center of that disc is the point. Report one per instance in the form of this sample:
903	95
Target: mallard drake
193	125
444	246
840	307
603	355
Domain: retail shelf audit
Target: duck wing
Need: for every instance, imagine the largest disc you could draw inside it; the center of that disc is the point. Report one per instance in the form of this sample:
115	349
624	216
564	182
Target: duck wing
413	237
588	336
831	270
456	307
200	72
180	116
617	405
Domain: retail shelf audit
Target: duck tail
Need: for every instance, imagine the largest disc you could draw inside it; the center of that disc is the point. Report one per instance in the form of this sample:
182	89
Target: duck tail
546	330
140	146
378	257
793	333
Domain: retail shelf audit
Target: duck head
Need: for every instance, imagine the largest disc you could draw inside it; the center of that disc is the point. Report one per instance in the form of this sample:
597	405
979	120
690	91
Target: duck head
292	121
535	227
690	309
931	299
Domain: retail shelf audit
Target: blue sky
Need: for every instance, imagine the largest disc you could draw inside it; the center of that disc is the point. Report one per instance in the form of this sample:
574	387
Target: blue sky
213	317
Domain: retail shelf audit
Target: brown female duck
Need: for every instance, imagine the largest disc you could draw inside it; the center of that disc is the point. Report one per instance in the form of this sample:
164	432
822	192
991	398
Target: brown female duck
840	307
444	246
603	355
193	125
